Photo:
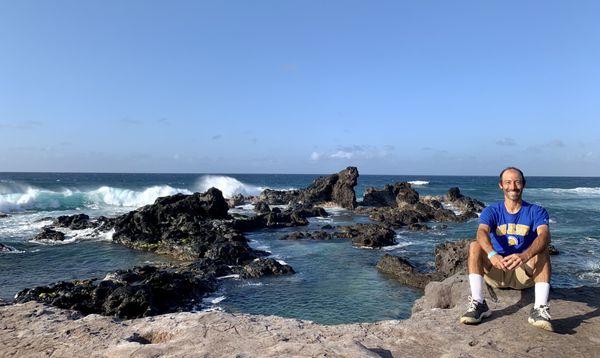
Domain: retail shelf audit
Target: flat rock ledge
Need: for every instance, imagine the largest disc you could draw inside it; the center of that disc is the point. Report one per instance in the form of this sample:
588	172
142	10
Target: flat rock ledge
33	329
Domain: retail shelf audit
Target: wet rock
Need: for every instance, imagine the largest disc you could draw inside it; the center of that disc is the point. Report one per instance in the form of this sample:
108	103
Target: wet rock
327	227
397	217
236	200
207	268
284	219
265	267
403	271
463	203
553	250
309	212
5	248
139	292
279	197
3	215
311	235
48	234
73	222
368	235
262	207
391	195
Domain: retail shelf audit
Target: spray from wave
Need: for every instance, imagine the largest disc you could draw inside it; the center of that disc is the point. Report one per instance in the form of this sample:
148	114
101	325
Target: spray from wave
227	185
28	198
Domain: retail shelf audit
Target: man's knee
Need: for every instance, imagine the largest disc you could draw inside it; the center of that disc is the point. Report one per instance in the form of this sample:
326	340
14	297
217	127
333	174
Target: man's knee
475	249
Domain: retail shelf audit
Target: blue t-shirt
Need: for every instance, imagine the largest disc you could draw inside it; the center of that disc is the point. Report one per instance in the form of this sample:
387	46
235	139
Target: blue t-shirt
513	233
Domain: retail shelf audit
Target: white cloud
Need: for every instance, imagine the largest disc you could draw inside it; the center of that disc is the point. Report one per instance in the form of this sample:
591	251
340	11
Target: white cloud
315	156
342	154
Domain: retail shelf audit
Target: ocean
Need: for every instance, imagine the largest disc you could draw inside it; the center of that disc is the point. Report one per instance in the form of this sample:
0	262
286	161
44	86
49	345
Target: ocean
335	282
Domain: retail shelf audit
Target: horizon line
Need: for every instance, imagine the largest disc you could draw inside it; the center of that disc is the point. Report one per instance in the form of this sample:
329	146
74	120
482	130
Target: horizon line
320	174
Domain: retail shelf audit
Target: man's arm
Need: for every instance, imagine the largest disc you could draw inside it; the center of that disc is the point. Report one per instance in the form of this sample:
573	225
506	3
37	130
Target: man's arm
538	245
483	239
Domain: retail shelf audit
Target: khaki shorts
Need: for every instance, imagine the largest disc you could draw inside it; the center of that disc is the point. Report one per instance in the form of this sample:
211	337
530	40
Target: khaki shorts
517	279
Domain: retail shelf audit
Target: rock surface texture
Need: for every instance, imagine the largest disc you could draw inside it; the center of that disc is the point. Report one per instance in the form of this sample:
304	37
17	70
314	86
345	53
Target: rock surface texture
33	329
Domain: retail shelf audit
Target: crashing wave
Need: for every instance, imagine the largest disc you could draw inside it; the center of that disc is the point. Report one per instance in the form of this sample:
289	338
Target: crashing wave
227	185
418	182
23	197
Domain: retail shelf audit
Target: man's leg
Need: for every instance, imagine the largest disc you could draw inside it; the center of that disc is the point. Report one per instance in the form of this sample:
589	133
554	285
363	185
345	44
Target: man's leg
477	261
478	308
541	270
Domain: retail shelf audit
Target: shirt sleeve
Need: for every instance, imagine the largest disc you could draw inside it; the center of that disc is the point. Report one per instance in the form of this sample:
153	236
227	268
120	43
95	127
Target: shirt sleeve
541	217
487	217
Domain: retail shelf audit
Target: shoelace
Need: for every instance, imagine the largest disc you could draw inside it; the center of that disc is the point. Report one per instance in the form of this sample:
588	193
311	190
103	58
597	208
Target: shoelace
543	312
472	304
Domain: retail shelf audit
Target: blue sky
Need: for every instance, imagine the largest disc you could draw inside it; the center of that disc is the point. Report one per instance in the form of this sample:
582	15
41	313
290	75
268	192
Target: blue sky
393	87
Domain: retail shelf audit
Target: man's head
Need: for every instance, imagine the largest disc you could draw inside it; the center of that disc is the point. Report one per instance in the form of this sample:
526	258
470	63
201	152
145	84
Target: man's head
512	182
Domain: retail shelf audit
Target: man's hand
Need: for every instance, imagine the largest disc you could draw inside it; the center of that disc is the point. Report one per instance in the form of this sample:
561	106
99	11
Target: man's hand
498	262
513	261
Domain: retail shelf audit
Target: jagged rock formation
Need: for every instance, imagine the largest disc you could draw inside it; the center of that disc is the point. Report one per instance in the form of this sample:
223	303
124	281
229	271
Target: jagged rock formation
336	188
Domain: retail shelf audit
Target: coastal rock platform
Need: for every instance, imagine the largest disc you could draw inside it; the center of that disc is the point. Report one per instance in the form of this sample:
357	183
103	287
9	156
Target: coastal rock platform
33	329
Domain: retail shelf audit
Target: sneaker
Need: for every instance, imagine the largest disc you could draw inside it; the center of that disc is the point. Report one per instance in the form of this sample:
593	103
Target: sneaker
476	312
540	318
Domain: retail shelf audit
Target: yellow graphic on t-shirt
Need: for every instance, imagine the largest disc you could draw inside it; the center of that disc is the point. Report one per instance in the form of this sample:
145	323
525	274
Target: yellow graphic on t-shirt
512	241
512	229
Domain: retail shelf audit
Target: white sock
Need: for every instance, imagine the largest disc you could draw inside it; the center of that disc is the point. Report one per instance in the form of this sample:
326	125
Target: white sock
542	290
476	283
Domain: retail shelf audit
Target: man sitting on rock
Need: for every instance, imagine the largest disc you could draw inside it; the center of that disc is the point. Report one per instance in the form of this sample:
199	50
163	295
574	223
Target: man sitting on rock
511	251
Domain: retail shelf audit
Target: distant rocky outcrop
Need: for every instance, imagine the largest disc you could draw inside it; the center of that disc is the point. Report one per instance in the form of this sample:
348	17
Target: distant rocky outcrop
336	188
399	205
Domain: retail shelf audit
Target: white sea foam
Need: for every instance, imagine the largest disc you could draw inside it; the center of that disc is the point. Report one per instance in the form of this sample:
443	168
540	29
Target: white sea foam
228	276
282	262
397	246
227	185
418	182
579	191
22	197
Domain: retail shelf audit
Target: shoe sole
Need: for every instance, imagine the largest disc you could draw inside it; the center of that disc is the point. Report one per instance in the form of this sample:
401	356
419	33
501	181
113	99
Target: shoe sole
545	325
472	320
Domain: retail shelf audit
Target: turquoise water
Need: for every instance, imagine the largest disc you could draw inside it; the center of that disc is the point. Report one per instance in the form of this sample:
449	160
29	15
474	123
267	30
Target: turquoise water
335	282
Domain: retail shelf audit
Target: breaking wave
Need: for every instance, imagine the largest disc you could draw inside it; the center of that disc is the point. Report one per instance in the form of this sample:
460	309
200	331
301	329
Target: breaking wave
20	197
227	185
418	182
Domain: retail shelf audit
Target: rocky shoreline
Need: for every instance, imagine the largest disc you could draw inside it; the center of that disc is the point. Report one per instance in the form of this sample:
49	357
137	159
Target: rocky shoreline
34	329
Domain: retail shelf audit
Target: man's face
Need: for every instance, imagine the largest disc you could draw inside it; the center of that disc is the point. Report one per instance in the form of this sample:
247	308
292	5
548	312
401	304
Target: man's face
512	185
